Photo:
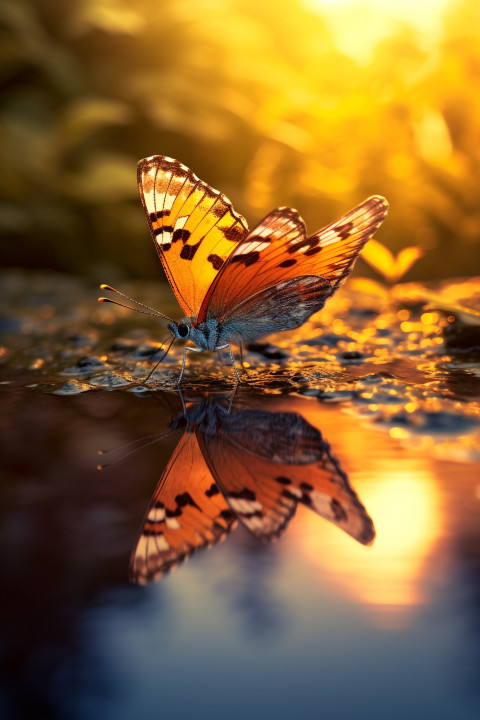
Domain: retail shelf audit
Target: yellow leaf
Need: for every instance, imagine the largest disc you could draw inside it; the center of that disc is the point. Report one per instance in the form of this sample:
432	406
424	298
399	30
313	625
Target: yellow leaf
379	257
406	258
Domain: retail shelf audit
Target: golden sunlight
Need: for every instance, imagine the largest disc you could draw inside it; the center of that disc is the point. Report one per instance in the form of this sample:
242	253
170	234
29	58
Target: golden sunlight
405	508
358	25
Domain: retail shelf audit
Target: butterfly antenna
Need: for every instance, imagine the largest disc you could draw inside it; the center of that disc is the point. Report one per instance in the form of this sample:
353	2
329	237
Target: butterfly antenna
151	440
157	313
161	360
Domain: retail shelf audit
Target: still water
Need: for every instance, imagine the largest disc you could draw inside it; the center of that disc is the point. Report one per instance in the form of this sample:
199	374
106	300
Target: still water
364	603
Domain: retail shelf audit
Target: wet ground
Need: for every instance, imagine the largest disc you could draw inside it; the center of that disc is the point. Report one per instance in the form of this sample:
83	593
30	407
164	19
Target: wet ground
343	476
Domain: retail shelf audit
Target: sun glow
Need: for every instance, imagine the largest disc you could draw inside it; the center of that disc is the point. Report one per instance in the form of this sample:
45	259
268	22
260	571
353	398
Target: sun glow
405	510
358	25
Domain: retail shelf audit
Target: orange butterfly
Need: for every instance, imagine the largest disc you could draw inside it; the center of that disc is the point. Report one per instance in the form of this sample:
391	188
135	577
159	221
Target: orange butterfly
245	465
233	285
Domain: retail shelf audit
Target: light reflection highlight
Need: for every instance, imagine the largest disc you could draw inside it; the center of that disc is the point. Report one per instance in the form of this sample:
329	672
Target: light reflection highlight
407	511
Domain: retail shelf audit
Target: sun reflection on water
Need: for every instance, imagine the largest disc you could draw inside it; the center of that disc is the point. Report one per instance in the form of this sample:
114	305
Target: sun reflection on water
388	577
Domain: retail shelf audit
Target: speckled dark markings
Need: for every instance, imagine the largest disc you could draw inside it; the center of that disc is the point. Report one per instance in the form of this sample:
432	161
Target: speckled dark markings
234	233
344	231
217	209
216	261
283	480
246	258
182	235
311	243
188	251
158	215
212	490
338	510
287	263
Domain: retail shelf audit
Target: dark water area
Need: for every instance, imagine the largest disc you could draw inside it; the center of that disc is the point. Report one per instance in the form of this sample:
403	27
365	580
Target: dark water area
329	511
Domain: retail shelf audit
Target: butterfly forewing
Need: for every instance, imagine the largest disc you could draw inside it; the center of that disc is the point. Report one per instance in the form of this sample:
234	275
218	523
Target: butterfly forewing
286	252
187	513
193	226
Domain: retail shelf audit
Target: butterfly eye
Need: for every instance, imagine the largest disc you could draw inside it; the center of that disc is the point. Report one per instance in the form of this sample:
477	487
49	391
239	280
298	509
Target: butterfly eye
182	329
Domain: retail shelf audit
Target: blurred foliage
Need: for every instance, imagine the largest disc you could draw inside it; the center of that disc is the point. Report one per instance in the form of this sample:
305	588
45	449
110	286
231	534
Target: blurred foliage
258	100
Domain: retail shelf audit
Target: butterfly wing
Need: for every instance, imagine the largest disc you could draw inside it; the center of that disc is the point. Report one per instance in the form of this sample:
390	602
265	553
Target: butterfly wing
266	463
279	250
180	522
193	226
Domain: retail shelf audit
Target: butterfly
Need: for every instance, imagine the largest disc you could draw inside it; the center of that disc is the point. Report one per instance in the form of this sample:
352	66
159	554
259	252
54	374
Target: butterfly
242	465
236	286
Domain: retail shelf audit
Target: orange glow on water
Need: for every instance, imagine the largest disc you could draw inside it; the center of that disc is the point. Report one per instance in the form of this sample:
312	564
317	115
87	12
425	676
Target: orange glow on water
405	508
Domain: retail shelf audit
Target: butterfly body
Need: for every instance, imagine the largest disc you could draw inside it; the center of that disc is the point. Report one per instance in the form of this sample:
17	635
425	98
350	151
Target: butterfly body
237	286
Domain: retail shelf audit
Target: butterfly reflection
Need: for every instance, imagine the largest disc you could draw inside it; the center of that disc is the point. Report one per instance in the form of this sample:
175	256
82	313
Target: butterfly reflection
241	464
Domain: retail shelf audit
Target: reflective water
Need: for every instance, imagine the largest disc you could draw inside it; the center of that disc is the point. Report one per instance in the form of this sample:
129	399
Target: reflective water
313	623
343	479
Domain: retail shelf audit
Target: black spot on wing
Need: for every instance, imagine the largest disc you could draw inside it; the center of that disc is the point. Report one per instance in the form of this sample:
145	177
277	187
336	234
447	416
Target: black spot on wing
313	251
306	486
182	235
246	258
310	242
149	532
283	480
344	231
212	490
216	261
185	499
188	251
245	494
287	263
158	215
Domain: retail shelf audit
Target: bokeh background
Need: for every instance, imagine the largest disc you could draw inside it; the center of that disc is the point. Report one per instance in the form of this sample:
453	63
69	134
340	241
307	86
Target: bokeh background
311	103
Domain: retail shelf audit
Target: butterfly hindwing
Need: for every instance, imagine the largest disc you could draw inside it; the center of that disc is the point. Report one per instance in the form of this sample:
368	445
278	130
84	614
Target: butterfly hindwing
183	517
193	226
293	300
265	464
286	252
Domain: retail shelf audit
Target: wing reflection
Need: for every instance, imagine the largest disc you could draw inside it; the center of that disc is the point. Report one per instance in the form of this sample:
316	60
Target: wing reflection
247	465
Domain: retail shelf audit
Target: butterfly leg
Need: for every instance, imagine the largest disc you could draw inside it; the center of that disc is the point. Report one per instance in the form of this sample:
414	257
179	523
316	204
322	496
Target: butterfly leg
240	347
193	349
224	347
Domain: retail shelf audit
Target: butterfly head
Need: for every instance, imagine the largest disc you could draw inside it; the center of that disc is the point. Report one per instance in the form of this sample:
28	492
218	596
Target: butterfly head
180	330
